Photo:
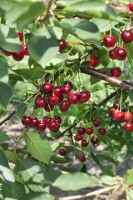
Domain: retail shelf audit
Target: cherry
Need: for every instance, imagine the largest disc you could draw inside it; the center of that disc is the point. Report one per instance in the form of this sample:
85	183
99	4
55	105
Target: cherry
119	115
112	112
89	130
102	131
109	41
62	152
20	35
67	89
72	98
81	130
121	53
47	87
127	36
62	45
41	126
116	105
58	119
96	122
112	54
116	71
64	106
94	61
25	50
82	158
94	139
58	91
47	119
130	6
48	107
68	83
128	116
34	122
18	56
26	120
54	126
84	142
128	126
40	102
78	137
7	53
60	99
84	96
53	100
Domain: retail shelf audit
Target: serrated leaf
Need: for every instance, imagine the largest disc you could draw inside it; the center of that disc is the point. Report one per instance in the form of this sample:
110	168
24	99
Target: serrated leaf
21	108
75	181
38	146
6	93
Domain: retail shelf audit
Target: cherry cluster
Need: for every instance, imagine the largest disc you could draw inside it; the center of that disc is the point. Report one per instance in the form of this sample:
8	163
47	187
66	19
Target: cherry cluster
122	116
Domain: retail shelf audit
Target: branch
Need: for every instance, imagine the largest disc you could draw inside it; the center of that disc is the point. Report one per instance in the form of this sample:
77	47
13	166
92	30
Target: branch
119	194
120	7
49	4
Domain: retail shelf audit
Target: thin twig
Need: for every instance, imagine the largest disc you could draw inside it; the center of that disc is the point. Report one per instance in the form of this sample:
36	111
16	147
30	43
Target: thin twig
49	4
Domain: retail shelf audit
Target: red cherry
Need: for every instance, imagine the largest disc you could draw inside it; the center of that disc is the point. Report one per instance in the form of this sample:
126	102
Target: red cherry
62	152
119	115
58	91
18	56
130	6
67	89
89	130
109	41
112	54
68	83
58	119
82	158
20	35
53	100
78	137
47	119
7	53
54	126
72	98
102	131
26	120
34	122
96	122
25	50
60	99
116	104
40	102
81	130
128	126
84	96
84	142
94	139
64	106
121	53
62	45
48	107
127	36
112	112
128	116
47	87
41	126
116	71
94	61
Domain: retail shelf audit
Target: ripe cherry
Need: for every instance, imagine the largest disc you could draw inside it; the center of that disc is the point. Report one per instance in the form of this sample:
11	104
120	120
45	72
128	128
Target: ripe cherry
112	112
84	96
7	53
127	36
121	53
62	45
84	142
26	120
47	87
112	54
18	56
53	100
119	115
41	126
20	35
68	83
67	89
96	122
64	106
128	116
54	126
102	131
81	130
78	137
109	41
89	130
116	104
47	119
94	139
34	122
116	71
130	6
25	50
40	102
62	152
94	61
82	158
128	126
72	98
58	91
58	119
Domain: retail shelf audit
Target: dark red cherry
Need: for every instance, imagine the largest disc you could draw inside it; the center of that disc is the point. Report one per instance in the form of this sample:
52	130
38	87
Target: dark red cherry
116	104
34	122
130	6
112	54
18	56
94	139
26	120
121	53
82	158
109	41
58	119
54	126
112	112
25	50
84	96
127	36
128	126
119	115
7	53
64	106
81	130
94	61
41	126
20	35
67	89
96	122
58	91
102	131
89	130
40	102
128	116
68	83
62	152
78	137
72	98
53	100
62	45
47	119
47	87
84	142
116	71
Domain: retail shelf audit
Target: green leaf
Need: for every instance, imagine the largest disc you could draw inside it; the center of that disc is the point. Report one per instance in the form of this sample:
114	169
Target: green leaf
103	56
106	157
38	146
3	137
21	108
13	78
75	181
24	11
38	195
3	68
9	39
43	46
108	180
128	178
6	93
